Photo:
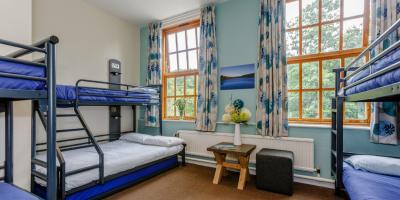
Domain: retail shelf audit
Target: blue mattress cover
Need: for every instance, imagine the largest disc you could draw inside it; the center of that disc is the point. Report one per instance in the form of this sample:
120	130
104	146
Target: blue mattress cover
117	183
21	69
65	92
8	192
380	81
363	185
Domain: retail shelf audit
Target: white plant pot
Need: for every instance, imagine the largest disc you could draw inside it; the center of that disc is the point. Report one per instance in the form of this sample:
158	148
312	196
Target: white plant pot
237	140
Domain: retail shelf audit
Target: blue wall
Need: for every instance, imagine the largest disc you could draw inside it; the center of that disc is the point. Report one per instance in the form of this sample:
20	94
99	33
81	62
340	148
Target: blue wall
237	44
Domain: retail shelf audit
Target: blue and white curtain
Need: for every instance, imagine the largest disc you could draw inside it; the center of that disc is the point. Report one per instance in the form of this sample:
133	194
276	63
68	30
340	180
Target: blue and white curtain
272	103
153	71
384	115
206	116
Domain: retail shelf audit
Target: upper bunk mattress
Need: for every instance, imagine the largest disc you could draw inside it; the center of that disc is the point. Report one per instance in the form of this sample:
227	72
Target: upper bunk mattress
361	185
119	156
65	92
385	79
21	69
8	191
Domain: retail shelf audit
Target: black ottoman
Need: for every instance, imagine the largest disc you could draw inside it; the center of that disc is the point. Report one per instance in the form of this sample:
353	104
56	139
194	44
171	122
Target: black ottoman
274	170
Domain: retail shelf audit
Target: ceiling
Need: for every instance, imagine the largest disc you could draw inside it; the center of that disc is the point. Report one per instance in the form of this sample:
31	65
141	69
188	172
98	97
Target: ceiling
144	11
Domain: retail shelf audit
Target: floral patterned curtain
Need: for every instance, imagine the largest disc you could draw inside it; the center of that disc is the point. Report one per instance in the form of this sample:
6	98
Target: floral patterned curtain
153	71
385	115
272	117
206	116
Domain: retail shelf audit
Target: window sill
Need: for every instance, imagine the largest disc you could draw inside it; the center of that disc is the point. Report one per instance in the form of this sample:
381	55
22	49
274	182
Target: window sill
328	126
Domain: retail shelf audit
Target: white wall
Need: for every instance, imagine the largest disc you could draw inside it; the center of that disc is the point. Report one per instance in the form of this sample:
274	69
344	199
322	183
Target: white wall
89	37
16	25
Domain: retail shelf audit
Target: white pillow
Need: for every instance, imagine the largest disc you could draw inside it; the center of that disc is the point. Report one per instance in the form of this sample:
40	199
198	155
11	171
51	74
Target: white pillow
135	137
163	141
375	164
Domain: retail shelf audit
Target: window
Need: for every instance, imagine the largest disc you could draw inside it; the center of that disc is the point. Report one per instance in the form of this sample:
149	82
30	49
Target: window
322	35
180	60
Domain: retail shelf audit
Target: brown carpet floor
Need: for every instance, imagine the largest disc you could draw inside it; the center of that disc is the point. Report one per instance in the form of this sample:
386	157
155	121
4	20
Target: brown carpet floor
195	183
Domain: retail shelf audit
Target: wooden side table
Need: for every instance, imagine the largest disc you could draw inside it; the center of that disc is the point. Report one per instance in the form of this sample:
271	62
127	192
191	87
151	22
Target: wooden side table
242	153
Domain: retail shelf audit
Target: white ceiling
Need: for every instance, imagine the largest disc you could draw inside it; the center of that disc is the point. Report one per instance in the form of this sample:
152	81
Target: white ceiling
144	11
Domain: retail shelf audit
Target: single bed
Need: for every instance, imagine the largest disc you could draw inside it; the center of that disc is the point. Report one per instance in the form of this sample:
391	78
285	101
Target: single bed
363	185
387	78
119	156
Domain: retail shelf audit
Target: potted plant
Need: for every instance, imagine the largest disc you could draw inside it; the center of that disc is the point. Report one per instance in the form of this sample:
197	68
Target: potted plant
238	114
180	105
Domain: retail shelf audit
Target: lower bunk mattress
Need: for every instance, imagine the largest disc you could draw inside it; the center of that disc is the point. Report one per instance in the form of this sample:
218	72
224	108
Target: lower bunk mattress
362	185
137	95
119	156
8	191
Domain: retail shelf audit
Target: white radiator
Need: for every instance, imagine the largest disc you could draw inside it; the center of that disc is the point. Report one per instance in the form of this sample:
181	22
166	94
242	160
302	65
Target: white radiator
303	148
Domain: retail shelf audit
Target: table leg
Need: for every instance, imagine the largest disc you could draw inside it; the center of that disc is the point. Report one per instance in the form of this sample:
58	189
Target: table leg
220	158
244	171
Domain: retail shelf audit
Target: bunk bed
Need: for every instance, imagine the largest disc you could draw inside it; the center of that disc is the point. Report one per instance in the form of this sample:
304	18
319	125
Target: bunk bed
377	80
21	79
96	165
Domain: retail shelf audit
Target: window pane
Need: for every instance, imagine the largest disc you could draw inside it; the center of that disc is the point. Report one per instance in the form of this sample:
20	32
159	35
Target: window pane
170	107
193	59
170	86
293	104
328	77
355	110
310	40
359	63
353	7
171	43
292	43
352	33
330	10
180	86
190	85
310	75
191	37
330	37
173	63
189	109
293	76
310	11
292	14
182	61
310	105
181	41
198	37
326	103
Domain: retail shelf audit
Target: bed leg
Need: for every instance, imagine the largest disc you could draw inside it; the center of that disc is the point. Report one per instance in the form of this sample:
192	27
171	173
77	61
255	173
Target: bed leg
183	155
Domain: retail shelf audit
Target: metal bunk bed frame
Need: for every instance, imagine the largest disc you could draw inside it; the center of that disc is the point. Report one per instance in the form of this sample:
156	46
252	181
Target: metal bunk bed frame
47	96
92	140
390	93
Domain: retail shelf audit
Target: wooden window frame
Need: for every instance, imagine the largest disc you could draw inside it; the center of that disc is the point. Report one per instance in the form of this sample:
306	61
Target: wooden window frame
323	56
166	74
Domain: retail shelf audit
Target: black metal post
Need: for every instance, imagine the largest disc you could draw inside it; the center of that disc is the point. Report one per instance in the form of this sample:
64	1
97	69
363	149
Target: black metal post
8	176
33	141
51	123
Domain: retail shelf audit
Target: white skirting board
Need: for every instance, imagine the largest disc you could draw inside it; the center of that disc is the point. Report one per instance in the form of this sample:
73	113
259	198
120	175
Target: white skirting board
309	180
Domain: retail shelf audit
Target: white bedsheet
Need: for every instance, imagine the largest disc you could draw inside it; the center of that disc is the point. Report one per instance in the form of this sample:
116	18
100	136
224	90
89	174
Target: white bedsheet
119	156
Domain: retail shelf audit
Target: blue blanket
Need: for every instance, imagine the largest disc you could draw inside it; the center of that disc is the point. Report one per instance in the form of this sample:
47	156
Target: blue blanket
21	69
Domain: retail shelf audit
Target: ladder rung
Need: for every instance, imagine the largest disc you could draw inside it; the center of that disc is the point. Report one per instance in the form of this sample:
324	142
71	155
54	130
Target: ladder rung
334	153
70	130
39	162
334	110
39	175
82	170
67	115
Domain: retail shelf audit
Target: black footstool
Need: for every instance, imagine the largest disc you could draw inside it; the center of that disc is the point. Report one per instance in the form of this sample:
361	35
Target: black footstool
274	170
